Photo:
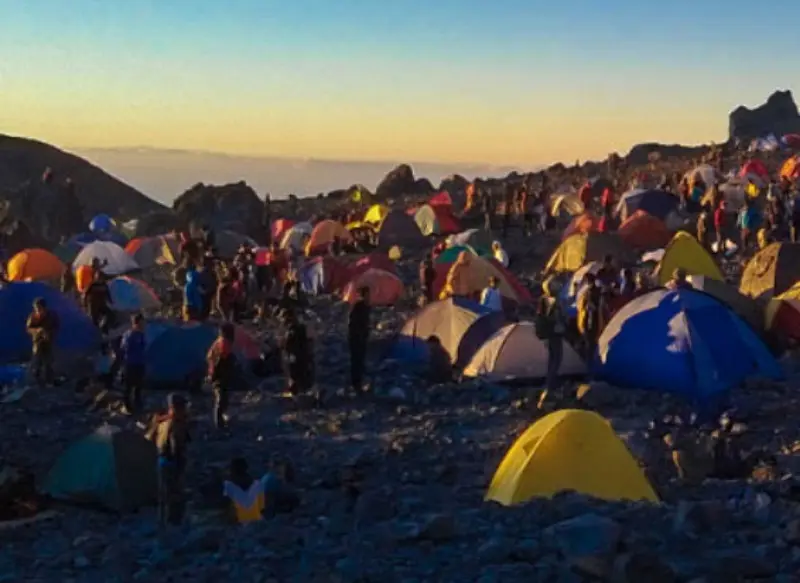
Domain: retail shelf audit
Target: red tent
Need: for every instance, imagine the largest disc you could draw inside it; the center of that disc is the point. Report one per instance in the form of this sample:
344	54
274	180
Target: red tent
792	140
755	167
373	261
279	228
441	199
644	231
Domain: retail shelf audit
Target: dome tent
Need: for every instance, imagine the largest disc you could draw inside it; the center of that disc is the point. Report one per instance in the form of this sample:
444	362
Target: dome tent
477	274
771	271
323	275
695	346
376	213
132	295
113	258
150	251
436	220
479	240
659	203
684	252
385	288
397	228
35	265
461	325
515	353
579	249
569	450
644	232
324	233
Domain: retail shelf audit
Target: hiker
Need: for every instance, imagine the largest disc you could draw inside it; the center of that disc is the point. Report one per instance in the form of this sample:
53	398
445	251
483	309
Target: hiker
702	229
509	210
607	275
487	206
604	224
678	280
246	495
192	296
172	439
550	327
208	239
427	276
440	369
470	196
499	254
590	303
295	352
208	285
43	327
131	355
526	210
794	216
67	281
749	223
266	218
227	297
719	227
222	372
607	202
358	336
491	297
97	302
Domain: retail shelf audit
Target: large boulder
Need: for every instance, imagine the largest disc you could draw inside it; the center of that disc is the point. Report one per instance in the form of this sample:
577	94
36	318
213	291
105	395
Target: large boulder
401	182
777	116
232	206
45	212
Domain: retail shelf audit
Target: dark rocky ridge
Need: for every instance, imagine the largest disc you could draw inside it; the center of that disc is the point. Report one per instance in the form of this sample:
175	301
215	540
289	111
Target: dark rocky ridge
777	116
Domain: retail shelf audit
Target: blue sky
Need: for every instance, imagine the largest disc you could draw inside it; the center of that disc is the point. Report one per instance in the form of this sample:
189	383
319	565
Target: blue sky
507	81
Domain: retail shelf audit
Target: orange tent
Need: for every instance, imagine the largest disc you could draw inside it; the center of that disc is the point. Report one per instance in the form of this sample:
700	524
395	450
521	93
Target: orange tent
385	288
323	235
644	231
791	168
585	223
35	265
84	275
469	280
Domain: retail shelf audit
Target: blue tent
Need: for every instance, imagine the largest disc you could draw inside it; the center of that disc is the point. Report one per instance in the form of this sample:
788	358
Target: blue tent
658	203
101	224
461	325
176	351
681	341
77	333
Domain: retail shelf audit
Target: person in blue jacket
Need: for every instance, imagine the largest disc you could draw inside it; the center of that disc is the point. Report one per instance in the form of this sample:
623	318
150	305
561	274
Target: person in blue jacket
132	353
192	296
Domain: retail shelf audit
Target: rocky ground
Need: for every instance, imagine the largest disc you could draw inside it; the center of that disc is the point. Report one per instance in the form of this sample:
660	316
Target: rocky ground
422	458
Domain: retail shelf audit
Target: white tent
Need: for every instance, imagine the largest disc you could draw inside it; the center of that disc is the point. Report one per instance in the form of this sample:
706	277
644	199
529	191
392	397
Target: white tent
515	352
113	258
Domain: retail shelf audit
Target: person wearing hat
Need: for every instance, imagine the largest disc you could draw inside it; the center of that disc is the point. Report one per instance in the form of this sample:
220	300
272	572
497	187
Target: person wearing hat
42	327
172	439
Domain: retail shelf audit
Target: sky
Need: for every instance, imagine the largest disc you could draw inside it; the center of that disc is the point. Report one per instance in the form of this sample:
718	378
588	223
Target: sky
511	82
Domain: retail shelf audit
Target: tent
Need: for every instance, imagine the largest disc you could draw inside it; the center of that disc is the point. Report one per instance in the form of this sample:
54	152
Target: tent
771	271
582	248
295	238
569	450
397	228
450	254
176	352
323	275
705	172
376	213
227	243
442	198
323	235
585	223
114	258
659	203
461	325
385	288
782	314
132	295
150	251
77	335
515	352
111	468
645	232
279	228
436	220
374	260
479	240
692	343
790	170
755	168
686	253
102	224
566	204
34	265
478	272
744	307
67	251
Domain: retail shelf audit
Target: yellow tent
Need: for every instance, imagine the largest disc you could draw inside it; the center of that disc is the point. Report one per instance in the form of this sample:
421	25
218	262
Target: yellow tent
581	248
686	253
569	450
376	214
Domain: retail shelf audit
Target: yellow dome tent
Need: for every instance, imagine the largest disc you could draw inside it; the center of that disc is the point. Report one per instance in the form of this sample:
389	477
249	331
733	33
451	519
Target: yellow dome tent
569	450
581	248
686	253
376	214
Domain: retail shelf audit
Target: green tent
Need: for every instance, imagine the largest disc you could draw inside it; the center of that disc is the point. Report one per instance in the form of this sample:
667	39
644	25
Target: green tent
450	254
111	468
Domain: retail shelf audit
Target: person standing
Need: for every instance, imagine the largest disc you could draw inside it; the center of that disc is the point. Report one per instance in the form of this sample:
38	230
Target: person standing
589	304
42	327
358	337
97	302
172	440
222	372
266	219
550	328
295	352
487	206
427	276
132	353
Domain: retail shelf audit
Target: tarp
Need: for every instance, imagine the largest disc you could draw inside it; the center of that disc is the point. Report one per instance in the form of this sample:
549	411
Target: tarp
692	343
132	295
585	223
744	307
566	204
116	261
324	275
385	288
644	232
323	235
110	468
479	240
295	238
659	203
515	353
477	276
684	252
376	213
279	228
158	250
436	220
34	265
77	335
579	249
397	228
461	325
569	450
771	271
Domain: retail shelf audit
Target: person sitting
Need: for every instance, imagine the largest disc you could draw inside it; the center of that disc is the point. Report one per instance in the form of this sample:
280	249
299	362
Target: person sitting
491	297
247	495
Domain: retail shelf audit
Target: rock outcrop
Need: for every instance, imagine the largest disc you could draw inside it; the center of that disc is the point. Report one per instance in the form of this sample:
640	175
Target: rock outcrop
231	206
401	182
777	116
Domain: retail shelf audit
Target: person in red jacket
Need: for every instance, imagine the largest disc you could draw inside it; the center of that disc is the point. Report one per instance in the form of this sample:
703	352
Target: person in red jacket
719	226
607	200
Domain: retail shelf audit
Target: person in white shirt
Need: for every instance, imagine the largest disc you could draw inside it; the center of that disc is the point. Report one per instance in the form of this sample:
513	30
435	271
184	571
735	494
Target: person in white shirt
499	254
491	297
